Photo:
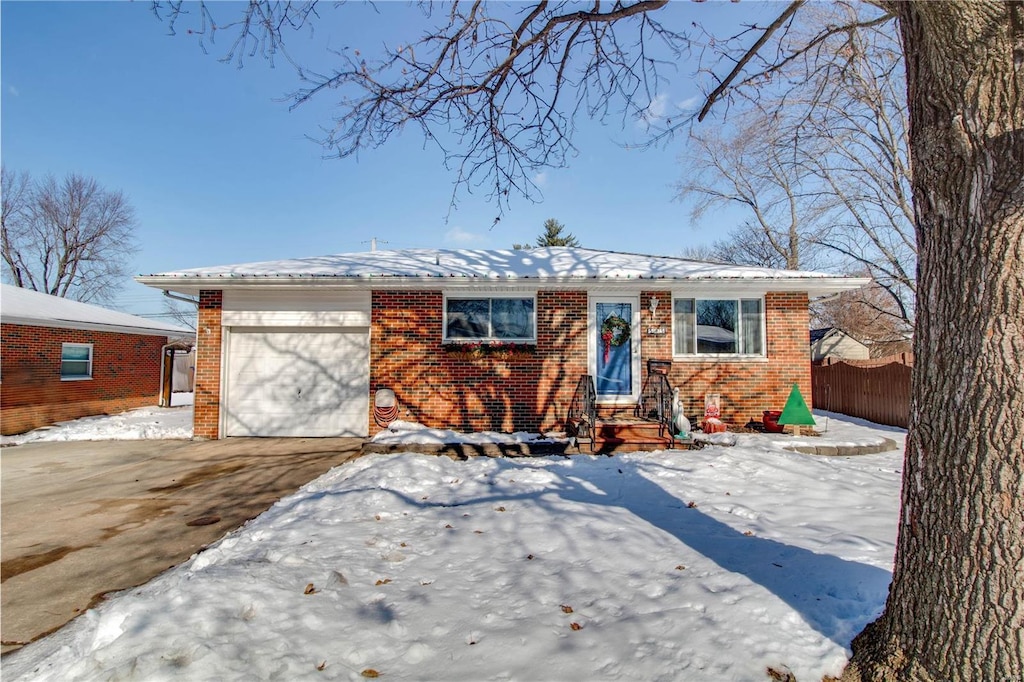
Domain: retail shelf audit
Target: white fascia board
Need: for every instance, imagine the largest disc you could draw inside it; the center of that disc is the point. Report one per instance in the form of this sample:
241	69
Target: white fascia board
814	286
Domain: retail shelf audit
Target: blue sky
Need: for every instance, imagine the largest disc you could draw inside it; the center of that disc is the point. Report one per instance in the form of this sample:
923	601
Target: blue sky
220	171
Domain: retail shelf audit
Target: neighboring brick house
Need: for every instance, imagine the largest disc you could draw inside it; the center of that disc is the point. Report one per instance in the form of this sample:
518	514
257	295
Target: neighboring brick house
61	359
493	340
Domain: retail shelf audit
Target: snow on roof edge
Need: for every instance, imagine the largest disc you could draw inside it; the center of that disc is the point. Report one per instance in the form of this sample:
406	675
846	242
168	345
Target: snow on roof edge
34	308
548	263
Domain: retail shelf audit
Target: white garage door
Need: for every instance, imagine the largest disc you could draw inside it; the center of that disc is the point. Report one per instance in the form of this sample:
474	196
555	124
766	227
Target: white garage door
298	383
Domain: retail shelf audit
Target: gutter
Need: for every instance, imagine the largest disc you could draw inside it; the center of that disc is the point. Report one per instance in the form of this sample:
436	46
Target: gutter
194	284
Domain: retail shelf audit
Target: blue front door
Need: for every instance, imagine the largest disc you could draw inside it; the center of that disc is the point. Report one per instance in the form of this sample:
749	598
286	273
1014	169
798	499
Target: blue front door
613	350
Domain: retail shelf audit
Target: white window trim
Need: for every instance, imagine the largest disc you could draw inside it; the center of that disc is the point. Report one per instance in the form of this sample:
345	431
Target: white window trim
720	357
476	295
68	344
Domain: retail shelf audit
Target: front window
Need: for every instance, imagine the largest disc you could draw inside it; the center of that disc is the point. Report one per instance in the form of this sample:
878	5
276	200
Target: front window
75	361
717	326
490	319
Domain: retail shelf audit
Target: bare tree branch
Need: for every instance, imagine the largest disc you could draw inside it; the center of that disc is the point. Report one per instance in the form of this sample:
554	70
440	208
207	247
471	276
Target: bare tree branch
494	87
71	238
16	198
786	15
824	157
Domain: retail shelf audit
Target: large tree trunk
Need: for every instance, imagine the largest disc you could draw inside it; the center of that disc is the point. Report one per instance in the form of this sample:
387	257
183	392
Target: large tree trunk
956	606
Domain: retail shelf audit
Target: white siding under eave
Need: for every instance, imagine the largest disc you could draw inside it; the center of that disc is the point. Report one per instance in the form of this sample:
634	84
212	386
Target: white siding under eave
296	308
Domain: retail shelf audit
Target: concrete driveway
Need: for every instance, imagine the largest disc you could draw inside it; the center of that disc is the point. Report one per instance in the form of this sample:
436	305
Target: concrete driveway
81	519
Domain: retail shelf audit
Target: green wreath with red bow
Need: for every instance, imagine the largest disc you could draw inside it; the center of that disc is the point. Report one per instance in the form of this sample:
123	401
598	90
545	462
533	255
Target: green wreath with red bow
614	332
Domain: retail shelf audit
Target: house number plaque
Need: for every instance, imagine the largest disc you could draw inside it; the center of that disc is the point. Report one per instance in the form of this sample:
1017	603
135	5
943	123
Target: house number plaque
656	331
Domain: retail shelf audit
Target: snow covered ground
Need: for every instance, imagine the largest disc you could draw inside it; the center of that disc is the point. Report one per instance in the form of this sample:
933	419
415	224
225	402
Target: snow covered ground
691	565
146	423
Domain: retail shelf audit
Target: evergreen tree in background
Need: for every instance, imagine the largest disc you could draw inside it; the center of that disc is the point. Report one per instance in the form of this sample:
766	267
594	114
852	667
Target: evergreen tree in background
553	235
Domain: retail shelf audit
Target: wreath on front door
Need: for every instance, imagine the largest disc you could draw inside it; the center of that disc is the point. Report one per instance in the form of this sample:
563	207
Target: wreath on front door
614	332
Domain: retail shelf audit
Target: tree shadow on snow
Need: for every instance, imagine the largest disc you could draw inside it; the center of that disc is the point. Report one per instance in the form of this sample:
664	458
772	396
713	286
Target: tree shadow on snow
834	596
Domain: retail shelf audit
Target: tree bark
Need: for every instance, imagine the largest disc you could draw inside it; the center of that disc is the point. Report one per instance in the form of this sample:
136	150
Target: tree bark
956	605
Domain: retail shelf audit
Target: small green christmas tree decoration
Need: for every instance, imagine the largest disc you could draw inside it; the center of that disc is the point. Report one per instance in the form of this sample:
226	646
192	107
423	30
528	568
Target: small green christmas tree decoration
796	413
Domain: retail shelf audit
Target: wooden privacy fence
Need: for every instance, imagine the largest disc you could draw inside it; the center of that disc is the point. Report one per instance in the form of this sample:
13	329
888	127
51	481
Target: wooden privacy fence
876	390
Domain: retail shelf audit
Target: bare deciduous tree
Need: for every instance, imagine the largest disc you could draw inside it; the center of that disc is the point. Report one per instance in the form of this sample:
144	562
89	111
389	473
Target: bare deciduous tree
866	315
746	245
510	87
755	169
70	238
862	165
184	313
823	168
15	204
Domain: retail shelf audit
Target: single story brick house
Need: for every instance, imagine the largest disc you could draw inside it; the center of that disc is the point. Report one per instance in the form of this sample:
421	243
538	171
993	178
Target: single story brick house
62	359
486	340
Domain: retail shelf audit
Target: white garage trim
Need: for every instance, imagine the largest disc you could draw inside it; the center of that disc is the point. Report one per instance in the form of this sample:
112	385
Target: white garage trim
296	309
295	381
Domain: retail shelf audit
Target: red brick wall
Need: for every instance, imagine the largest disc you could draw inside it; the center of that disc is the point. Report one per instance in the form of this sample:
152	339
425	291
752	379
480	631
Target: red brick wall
125	375
206	420
445	390
747	387
448	390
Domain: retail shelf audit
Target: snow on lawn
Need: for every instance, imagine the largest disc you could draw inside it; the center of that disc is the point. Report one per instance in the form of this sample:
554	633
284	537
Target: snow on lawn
680	565
145	423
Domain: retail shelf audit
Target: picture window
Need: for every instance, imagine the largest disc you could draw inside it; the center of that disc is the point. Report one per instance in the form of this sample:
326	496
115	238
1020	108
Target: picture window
718	326
490	319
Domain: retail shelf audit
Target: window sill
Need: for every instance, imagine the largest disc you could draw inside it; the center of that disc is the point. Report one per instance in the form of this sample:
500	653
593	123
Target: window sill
76	378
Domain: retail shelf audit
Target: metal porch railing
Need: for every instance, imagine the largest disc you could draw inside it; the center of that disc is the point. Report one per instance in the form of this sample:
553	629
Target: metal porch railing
581	421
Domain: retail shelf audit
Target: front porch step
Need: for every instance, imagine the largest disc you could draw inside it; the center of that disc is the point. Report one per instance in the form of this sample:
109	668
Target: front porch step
629	435
630	429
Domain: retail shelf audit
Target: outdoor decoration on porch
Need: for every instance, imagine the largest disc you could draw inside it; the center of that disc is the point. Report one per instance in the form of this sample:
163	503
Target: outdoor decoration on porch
712	414
796	413
614	332
679	421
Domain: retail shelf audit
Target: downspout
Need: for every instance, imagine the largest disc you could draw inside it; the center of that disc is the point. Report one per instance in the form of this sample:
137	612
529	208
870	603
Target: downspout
163	350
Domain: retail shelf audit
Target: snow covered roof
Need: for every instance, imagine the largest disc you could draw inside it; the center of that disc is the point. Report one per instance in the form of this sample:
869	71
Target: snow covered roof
25	306
455	267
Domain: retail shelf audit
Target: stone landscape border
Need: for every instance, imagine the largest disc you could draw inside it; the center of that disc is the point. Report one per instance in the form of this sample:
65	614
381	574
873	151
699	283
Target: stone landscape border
834	450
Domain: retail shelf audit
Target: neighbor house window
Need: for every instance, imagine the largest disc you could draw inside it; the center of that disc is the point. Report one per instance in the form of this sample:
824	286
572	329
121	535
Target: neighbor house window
75	361
718	326
490	319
